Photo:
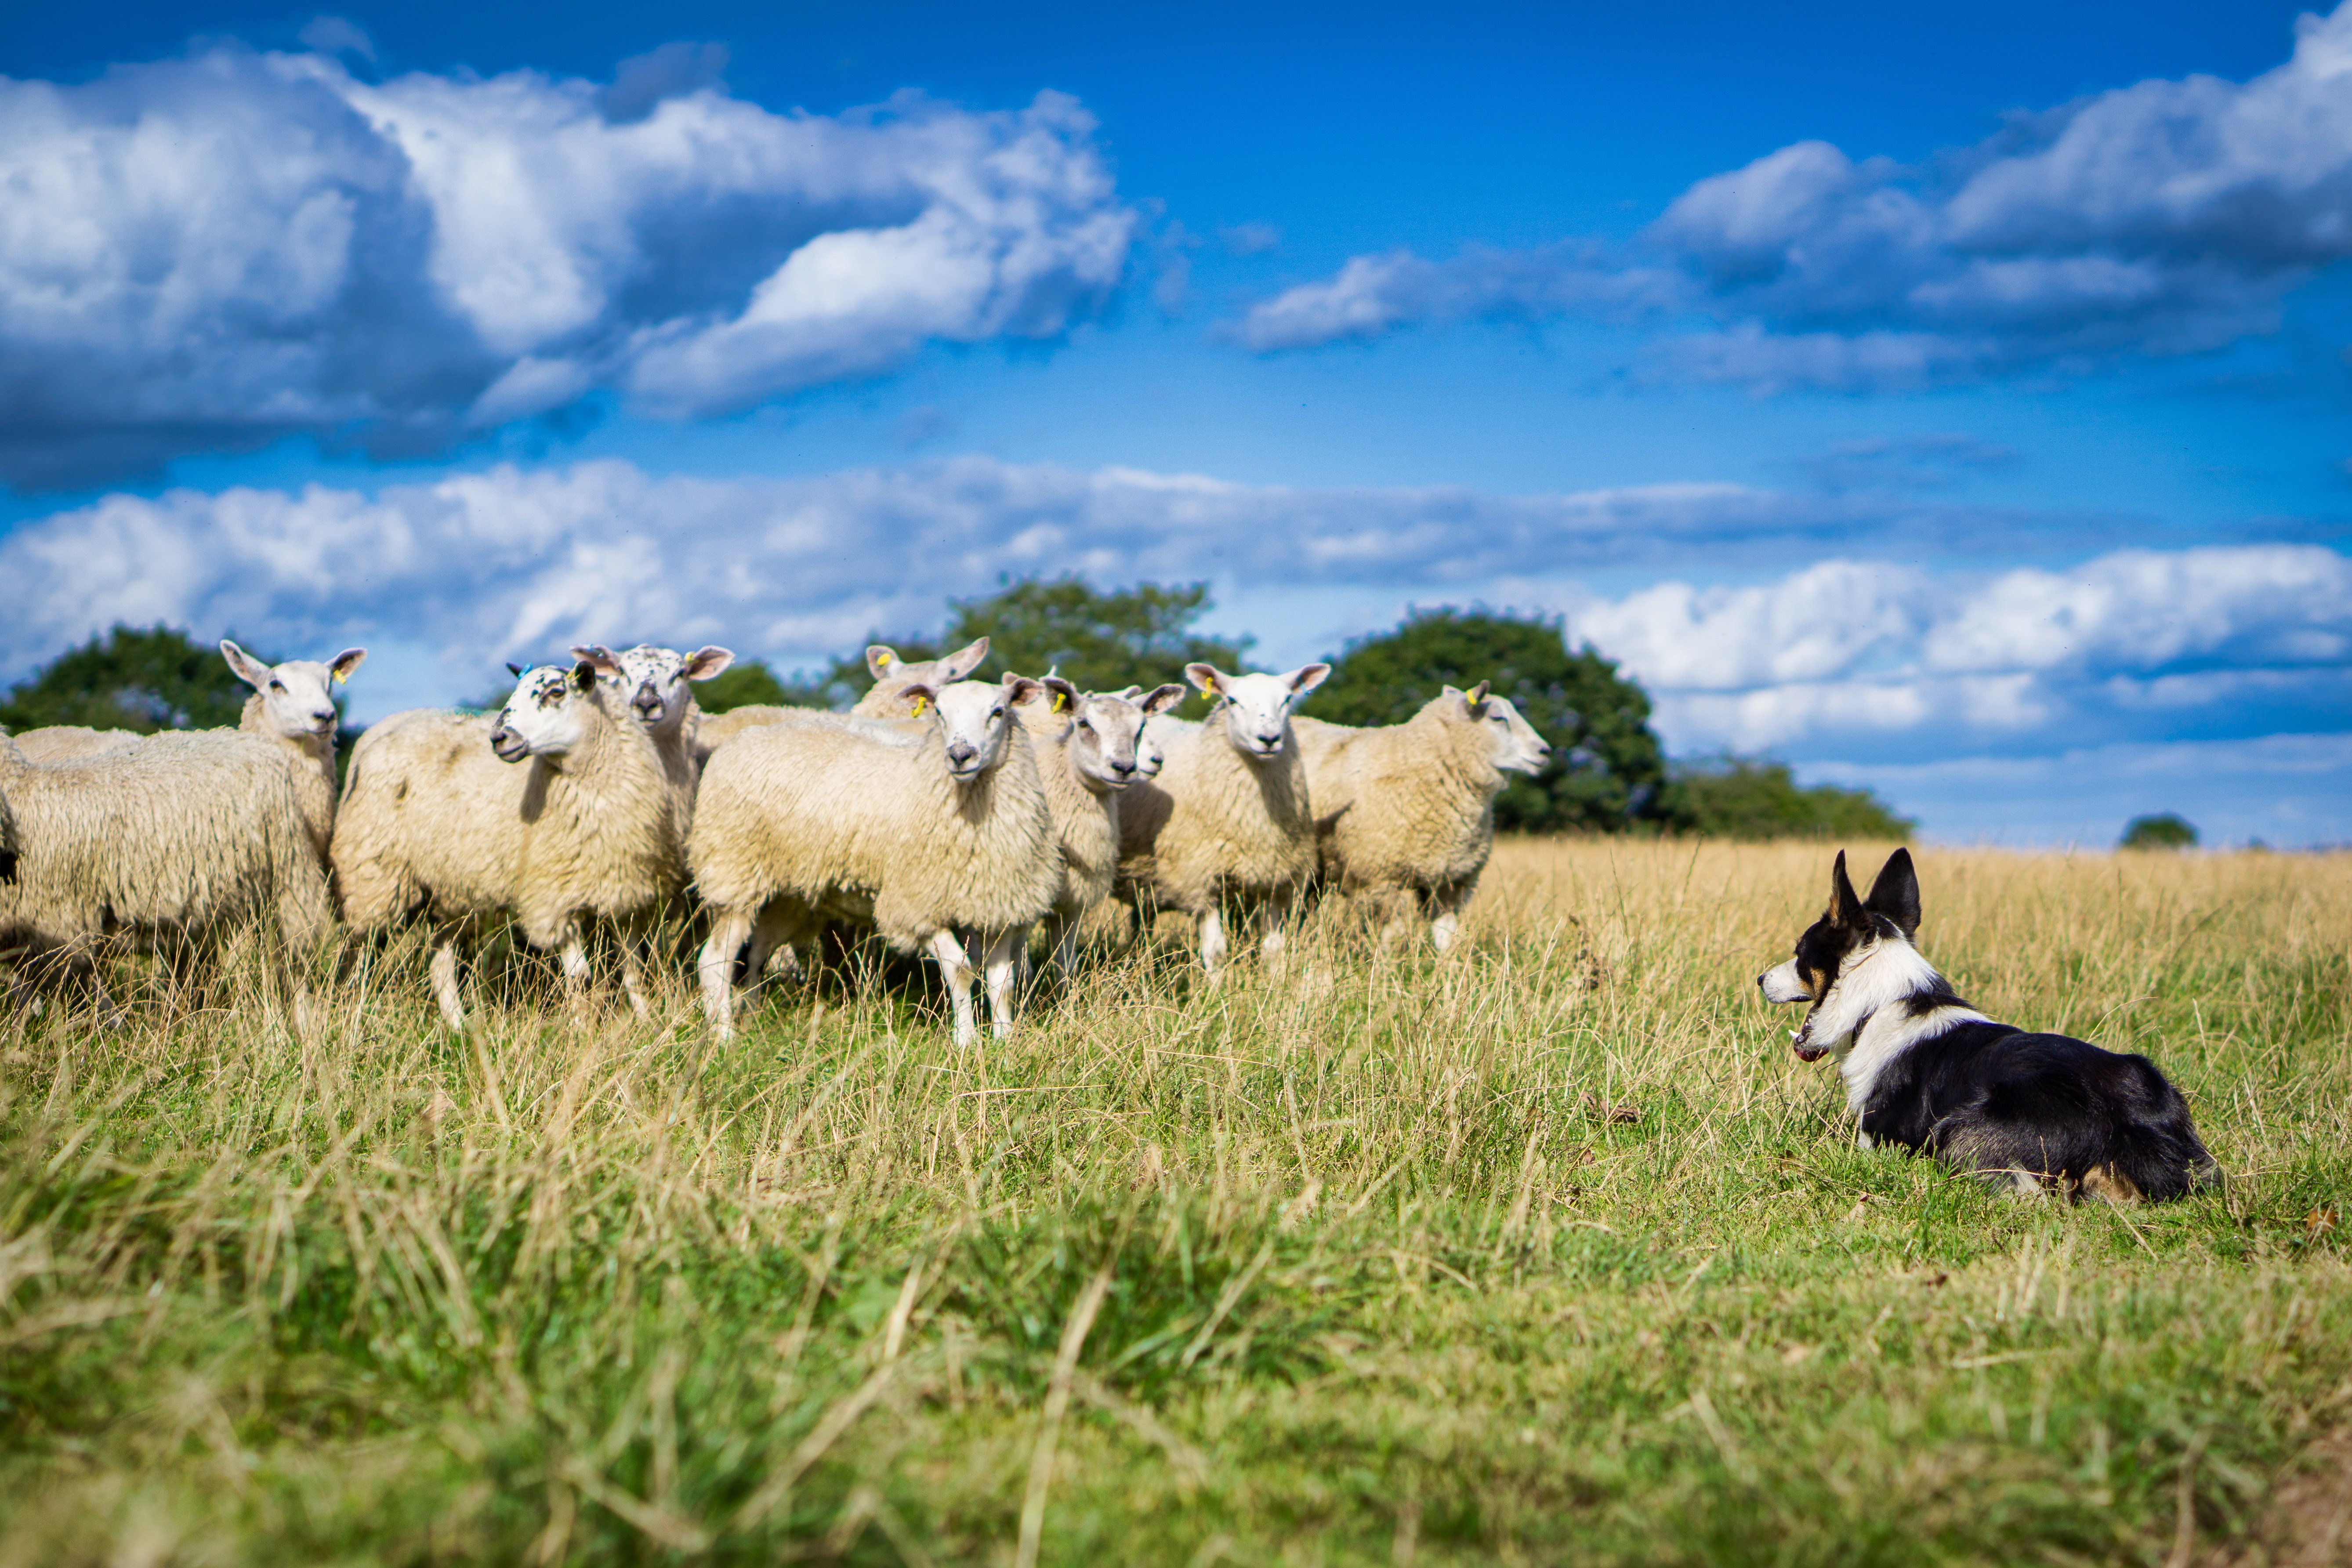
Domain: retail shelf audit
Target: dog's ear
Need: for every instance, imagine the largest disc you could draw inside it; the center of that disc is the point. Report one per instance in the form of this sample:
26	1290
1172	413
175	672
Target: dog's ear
1895	894
1845	905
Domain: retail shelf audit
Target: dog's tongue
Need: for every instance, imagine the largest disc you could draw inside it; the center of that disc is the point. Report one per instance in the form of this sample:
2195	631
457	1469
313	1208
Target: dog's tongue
1806	1052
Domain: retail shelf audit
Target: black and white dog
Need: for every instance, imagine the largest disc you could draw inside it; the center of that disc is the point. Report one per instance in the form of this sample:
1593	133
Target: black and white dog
1923	1068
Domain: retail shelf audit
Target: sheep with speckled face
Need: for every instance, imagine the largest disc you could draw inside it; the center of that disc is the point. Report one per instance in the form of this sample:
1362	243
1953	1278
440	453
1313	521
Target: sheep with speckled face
175	841
1227	825
925	839
557	811
656	685
1405	814
1089	753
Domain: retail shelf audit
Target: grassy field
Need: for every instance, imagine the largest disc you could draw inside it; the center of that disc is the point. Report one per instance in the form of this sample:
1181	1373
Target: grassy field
1547	1251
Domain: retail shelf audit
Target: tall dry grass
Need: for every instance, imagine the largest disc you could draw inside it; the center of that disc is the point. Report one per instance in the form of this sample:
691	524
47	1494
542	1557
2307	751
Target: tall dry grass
1547	1249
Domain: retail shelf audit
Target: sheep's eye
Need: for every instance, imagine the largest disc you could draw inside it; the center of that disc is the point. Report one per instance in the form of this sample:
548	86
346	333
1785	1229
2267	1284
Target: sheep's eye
1087	725
998	714
277	686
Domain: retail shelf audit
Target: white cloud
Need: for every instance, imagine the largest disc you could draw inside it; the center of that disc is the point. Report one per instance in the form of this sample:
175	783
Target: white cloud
2287	790
207	252
2255	634
2165	218
1840	657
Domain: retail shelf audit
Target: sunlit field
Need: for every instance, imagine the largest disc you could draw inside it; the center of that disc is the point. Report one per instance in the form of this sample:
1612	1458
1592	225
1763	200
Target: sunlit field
1545	1251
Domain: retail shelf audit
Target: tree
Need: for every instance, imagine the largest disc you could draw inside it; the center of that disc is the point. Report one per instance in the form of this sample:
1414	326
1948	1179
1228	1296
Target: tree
149	678
1756	797
1100	641
748	683
2165	830
1607	771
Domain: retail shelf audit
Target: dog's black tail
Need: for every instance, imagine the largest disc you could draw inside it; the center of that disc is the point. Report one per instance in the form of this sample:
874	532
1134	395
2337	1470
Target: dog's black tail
2152	1143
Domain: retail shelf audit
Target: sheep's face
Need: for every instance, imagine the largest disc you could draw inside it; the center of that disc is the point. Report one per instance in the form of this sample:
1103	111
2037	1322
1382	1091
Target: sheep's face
1257	707
548	714
297	697
655	682
1106	729
1515	747
1518	749
974	717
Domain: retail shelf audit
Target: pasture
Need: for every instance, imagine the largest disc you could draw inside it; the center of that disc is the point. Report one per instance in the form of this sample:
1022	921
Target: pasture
1547	1250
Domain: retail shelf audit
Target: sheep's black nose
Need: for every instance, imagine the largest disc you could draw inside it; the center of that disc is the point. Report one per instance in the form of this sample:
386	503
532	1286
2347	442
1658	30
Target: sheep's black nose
1270	742
961	752
1122	767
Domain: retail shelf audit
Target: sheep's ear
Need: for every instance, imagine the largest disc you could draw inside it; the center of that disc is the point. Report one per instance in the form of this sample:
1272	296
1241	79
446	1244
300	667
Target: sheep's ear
583	675
1066	696
243	666
347	663
603	660
919	698
514	669
706	662
580	651
880	660
1478	693
1020	689
963	661
1162	698
1129	693
1307	678
1208	678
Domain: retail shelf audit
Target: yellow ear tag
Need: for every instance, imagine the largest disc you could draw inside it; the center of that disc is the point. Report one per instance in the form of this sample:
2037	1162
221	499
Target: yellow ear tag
920	703
1209	687
1061	701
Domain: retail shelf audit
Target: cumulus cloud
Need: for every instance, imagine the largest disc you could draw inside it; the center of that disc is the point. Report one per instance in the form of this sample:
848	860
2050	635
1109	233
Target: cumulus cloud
2228	639
207	253
1373	295
509	561
2167	217
1846	657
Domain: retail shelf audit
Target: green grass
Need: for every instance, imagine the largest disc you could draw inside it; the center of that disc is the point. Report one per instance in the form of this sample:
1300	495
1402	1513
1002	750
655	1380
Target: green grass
1550	1251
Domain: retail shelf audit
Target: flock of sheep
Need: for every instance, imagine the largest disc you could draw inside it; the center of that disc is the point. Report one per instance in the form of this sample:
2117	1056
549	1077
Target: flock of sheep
950	816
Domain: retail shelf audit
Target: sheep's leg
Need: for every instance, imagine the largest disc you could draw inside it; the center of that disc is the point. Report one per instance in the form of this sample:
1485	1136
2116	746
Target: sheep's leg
771	934
1004	963
1066	945
577	970
1212	939
1277	916
730	928
955	968
445	985
636	942
1446	925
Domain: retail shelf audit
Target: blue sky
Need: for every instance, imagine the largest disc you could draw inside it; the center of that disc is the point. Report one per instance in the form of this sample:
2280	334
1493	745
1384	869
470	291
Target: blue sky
1951	403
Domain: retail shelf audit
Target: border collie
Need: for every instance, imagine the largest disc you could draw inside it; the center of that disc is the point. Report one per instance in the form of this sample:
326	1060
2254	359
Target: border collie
2026	1112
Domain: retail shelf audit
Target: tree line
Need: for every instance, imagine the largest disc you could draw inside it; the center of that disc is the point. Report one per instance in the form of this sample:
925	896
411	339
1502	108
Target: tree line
1608	772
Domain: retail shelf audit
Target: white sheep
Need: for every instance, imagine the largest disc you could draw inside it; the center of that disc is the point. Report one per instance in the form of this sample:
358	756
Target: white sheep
173	842
891	675
1087	747
657	684
1227	821
293	705
557	811
64	743
1405	814
801	823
